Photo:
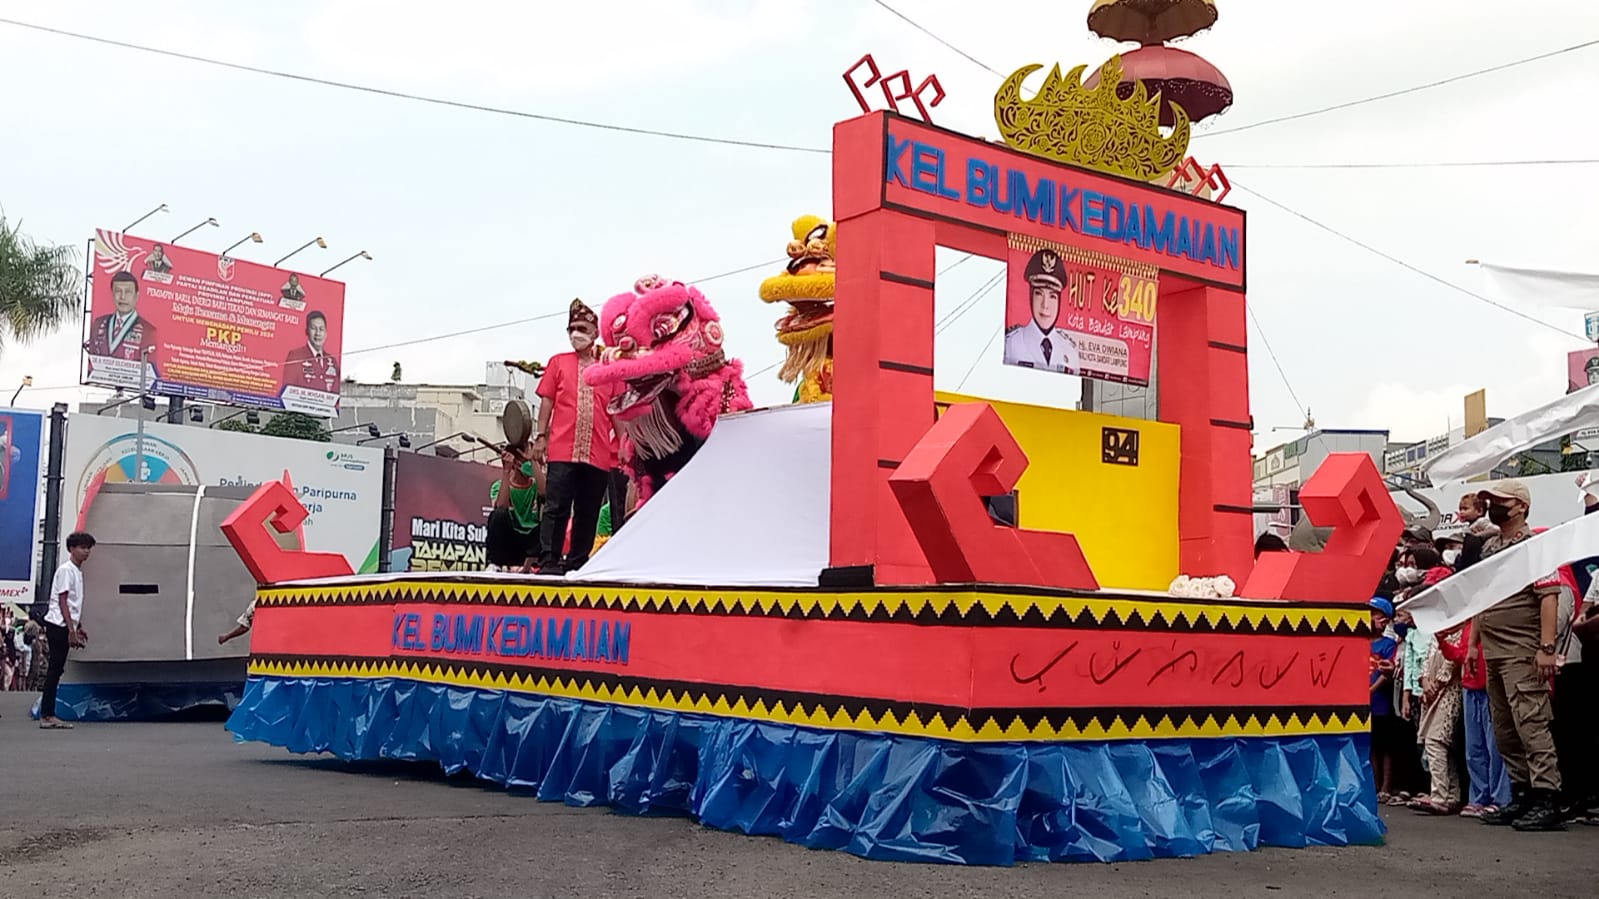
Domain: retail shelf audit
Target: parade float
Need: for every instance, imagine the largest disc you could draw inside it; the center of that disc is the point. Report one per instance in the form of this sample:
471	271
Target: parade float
817	631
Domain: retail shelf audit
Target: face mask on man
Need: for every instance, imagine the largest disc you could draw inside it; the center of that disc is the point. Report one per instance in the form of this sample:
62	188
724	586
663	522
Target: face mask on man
1500	514
1408	576
1451	556
581	339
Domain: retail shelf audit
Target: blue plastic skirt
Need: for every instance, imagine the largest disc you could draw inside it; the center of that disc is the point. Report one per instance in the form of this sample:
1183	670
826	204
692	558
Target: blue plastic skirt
141	702
876	796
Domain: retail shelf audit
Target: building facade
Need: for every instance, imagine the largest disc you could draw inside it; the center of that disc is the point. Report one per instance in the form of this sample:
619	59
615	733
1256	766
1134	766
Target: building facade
424	413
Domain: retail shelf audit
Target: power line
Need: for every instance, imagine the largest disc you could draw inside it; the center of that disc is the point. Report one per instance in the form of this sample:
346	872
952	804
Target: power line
1304	410
1490	163
1405	265
914	24
957	264
539	317
1298	115
1402	91
968	304
980	353
793	148
420	98
946	270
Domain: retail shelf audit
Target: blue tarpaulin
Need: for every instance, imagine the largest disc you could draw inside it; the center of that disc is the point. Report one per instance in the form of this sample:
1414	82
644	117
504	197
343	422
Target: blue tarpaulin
141	702
877	796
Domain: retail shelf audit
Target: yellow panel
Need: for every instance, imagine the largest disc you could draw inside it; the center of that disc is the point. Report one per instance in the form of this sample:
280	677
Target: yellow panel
1124	516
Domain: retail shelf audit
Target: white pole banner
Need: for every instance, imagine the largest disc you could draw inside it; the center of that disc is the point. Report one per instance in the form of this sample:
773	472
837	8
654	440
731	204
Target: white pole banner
1489	582
1541	288
1479	455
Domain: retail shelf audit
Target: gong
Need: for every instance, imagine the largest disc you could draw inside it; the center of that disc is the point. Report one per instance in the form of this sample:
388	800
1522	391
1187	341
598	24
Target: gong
518	423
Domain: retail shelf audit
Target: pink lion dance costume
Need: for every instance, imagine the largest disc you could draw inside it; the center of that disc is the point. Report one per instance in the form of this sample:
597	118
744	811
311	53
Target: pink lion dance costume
664	348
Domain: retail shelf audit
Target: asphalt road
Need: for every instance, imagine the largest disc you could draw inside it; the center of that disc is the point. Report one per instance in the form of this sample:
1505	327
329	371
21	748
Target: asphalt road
179	809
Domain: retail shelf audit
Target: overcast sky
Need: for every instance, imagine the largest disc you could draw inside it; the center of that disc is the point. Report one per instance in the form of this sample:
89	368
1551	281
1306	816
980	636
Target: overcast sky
475	218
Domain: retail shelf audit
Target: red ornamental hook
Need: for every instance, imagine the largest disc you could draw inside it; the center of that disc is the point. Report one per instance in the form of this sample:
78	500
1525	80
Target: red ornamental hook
888	84
1213	178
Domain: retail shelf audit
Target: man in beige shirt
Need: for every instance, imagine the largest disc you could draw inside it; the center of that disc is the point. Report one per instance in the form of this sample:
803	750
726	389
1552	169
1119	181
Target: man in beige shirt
1518	644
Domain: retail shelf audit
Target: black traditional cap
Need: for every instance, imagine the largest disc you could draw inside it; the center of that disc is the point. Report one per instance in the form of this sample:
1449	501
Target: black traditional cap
581	315
1045	268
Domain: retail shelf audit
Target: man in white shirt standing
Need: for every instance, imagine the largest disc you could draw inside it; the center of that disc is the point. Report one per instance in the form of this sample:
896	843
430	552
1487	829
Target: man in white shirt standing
63	623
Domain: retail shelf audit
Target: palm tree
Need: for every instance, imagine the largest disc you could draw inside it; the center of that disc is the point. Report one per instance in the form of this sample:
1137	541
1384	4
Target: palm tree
40	286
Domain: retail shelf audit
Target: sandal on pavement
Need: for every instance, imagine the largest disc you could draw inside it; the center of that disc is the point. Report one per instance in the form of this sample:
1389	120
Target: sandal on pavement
1433	808
54	725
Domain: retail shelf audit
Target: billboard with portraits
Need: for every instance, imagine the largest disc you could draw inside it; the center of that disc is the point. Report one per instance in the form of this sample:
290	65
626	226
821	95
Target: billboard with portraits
212	328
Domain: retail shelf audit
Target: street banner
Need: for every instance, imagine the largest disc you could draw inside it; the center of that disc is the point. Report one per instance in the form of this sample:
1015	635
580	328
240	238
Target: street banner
1484	585
1079	312
441	513
340	485
1582	369
1570	414
212	327
21	461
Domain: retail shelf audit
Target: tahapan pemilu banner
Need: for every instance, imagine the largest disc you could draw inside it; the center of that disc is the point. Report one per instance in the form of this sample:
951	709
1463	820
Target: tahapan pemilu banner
1079	312
219	329
21	462
441	514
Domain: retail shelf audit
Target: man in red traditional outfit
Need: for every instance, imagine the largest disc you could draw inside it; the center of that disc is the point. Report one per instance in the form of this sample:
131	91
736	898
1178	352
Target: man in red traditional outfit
123	334
576	437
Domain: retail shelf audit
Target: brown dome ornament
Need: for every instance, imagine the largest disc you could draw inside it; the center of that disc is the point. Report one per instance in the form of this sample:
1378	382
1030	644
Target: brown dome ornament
1150	22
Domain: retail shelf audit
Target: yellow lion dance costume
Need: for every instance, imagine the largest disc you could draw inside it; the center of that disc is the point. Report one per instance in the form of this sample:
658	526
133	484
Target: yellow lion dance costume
807	330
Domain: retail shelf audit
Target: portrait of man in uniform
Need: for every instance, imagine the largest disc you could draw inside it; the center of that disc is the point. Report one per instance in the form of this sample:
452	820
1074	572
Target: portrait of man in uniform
1038	343
122	334
311	366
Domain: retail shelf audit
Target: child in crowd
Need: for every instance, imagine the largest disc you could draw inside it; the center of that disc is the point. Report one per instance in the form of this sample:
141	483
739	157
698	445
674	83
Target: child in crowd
1439	682
1384	723
1488	783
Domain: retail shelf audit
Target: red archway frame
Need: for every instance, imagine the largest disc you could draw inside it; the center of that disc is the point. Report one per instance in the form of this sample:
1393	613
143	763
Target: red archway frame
901	188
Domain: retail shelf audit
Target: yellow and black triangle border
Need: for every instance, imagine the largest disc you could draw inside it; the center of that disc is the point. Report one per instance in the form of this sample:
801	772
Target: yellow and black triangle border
971	607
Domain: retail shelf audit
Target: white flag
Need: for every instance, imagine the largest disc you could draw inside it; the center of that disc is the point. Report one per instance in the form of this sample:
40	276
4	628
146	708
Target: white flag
1498	577
1482	453
1541	288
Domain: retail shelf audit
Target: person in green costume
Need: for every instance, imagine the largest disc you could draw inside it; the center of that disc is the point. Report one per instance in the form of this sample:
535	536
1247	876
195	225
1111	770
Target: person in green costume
513	529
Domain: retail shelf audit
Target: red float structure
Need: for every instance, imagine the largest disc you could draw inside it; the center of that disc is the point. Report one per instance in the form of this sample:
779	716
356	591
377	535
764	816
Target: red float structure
949	688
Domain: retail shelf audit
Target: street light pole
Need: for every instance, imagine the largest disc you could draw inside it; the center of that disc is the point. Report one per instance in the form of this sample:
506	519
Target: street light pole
130	226
138	452
315	240
253	235
361	255
27	381
210	221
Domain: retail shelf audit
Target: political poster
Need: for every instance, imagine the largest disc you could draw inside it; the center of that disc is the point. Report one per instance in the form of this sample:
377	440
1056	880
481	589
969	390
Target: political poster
340	485
1079	312
441	513
1582	369
189	323
21	461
